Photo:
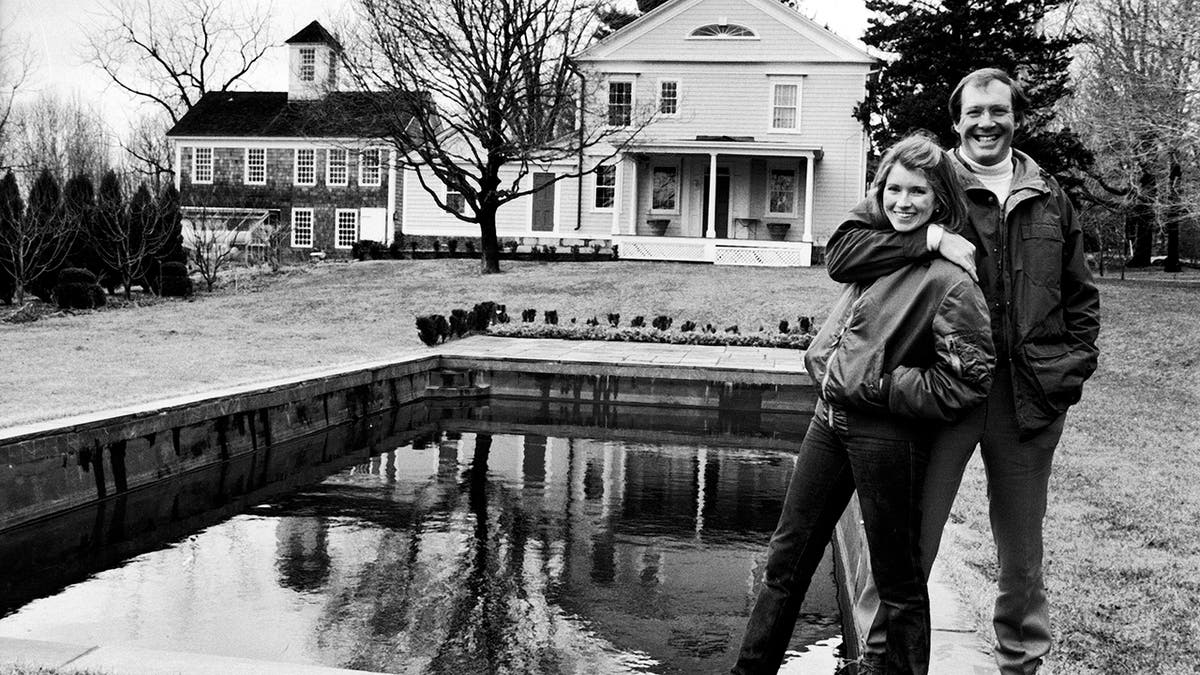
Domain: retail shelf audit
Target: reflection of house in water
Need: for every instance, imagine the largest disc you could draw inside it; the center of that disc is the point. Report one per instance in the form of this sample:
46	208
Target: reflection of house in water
590	549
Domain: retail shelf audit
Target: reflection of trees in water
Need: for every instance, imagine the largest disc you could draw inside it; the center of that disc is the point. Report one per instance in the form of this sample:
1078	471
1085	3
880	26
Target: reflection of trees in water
447	592
302	552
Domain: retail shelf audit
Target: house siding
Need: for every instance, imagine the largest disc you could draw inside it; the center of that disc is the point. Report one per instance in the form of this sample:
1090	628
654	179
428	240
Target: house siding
228	188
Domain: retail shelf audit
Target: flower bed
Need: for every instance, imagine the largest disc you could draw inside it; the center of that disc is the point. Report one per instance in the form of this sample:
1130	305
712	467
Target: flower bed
610	334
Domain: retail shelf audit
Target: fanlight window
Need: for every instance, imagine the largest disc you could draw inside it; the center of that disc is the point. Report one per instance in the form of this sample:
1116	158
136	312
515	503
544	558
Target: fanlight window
726	30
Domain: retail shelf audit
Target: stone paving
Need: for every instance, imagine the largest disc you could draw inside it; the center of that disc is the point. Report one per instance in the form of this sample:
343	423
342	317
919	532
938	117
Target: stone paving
956	647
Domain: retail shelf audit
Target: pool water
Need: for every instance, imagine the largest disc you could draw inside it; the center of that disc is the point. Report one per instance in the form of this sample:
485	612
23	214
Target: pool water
470	552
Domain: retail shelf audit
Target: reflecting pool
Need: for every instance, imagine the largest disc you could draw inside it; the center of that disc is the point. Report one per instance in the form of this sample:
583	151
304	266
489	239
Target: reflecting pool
468	552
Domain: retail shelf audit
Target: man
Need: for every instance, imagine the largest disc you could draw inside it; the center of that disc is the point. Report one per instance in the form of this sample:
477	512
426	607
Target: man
1025	248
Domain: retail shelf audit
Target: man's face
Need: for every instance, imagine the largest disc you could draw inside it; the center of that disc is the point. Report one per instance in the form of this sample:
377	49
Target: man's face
986	122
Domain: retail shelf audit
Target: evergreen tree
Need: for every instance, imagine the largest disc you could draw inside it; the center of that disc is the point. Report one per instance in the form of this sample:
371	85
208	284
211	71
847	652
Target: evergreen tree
938	42
48	239
12	209
171	223
79	211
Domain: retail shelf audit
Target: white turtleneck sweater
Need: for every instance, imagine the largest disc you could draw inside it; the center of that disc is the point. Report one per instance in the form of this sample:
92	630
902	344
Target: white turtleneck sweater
997	177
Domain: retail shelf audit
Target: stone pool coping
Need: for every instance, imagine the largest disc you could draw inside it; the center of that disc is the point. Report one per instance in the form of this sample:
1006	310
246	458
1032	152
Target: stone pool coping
956	646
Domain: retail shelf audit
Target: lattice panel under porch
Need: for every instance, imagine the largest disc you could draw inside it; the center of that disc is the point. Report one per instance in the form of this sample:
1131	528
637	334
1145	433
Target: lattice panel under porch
762	257
662	250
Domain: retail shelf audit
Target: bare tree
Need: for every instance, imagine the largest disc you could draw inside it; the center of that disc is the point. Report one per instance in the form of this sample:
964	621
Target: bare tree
16	62
171	54
212	244
34	239
483	92
64	135
128	237
148	150
1139	90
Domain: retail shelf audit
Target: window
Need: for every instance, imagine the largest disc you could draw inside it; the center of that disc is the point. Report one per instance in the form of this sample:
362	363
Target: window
722	30
785	108
308	64
606	186
202	165
455	201
336	167
782	192
306	166
347	228
668	97
302	228
368	167
665	183
256	166
620	103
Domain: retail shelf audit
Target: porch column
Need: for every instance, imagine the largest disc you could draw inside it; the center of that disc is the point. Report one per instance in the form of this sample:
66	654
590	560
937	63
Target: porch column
808	199
390	220
633	194
710	227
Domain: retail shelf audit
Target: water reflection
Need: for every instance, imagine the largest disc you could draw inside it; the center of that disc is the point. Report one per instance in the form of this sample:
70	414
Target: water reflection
471	553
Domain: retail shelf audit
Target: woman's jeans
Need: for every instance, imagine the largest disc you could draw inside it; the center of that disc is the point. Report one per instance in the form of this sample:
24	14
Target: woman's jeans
837	456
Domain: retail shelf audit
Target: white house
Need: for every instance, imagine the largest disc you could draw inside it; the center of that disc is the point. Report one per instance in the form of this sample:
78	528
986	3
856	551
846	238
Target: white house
753	155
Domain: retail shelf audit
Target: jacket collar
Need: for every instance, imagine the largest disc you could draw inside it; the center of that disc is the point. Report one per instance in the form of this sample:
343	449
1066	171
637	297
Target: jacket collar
1028	178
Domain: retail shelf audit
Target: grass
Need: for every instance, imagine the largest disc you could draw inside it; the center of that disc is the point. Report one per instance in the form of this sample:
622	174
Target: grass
1122	537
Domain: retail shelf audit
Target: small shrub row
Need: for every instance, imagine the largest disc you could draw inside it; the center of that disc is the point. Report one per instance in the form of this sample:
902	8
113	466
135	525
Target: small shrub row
433	329
575	331
78	288
663	323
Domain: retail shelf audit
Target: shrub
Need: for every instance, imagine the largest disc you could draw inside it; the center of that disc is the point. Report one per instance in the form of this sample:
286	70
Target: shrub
551	316
638	321
437	246
413	245
74	289
175	280
471	246
460	322
805	323
594	321
733	329
452	246
395	249
360	249
614	320
485	315
662	322
783	326
577	332
432	328
512	245
687	326
501	314
528	315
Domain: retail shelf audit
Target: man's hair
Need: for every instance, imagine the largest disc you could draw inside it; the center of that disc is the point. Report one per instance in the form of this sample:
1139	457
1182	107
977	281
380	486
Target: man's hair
920	151
981	78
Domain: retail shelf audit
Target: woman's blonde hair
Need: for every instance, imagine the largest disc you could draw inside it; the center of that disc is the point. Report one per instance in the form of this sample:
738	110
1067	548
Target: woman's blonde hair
920	152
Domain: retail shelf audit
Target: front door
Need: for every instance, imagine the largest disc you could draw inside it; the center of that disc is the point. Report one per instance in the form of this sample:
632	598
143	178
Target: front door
543	202
721	226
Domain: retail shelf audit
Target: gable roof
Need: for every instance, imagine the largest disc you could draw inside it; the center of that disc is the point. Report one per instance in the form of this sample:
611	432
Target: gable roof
270	114
314	33
839	49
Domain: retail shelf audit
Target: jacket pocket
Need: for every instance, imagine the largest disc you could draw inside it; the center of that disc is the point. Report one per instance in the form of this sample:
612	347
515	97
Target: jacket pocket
1054	370
1041	252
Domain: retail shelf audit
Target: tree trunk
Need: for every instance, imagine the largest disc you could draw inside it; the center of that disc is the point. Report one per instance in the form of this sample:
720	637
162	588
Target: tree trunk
1140	226
489	244
1174	216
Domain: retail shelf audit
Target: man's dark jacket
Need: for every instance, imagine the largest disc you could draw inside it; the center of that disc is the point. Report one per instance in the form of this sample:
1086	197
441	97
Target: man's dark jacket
1045	309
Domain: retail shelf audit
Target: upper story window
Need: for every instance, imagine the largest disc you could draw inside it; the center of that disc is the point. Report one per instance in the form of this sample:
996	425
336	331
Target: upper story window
723	30
336	167
369	171
308	64
668	97
785	106
202	165
606	186
782	197
256	166
306	166
455	201
620	103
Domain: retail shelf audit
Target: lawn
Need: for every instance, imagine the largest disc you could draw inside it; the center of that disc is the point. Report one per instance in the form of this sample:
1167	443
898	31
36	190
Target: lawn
1122	537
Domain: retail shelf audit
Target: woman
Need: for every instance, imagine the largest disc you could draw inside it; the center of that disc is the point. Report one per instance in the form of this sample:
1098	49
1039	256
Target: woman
911	347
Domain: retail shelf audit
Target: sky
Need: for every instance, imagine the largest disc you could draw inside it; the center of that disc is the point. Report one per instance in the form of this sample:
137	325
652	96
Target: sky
55	30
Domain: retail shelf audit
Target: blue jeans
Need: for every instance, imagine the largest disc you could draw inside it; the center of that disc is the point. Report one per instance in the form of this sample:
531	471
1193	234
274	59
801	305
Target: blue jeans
1018	475
837	456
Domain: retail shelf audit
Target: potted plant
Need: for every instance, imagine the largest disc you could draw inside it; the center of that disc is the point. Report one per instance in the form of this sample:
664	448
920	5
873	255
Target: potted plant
778	230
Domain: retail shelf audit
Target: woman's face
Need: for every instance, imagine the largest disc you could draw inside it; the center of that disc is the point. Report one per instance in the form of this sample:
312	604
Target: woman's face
908	198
